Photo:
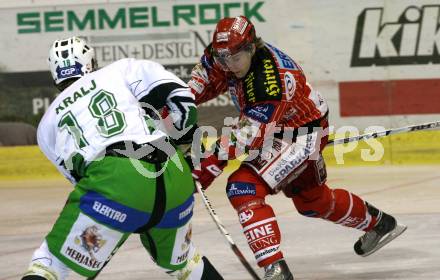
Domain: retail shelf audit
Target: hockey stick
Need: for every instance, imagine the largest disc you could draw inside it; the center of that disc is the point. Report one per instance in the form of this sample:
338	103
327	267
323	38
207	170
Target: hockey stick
107	261
391	131
225	233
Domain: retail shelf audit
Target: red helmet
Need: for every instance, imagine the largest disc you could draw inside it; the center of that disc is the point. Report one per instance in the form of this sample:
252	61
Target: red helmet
232	35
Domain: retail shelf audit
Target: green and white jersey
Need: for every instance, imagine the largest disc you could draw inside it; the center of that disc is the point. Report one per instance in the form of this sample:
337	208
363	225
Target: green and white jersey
103	108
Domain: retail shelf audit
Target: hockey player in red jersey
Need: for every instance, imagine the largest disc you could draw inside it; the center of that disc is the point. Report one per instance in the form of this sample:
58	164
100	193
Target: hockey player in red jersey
284	120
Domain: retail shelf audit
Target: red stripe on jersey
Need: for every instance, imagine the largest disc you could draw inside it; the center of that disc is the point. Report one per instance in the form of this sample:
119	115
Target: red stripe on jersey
306	112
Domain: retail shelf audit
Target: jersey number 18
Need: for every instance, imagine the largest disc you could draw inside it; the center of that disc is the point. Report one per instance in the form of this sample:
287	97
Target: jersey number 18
102	106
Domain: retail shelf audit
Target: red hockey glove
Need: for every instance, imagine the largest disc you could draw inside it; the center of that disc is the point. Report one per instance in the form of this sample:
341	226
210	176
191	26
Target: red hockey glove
210	168
207	80
199	79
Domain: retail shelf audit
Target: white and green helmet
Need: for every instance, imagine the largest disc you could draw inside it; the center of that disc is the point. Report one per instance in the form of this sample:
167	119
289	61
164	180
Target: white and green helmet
71	58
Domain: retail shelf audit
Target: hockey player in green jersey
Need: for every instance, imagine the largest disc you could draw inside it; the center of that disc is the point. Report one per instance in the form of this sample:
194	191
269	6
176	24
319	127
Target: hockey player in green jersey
128	176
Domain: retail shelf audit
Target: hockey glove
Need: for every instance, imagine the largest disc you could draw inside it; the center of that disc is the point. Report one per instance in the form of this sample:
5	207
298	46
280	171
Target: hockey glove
199	79
209	169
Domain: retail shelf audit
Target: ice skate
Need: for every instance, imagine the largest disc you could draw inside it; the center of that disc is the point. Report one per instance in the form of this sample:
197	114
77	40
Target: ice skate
277	271
384	232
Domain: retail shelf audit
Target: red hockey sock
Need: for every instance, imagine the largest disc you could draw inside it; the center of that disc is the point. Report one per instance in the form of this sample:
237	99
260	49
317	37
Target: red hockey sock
262	233
350	211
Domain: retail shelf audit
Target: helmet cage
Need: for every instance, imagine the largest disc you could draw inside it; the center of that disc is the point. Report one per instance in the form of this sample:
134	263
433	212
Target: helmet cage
70	58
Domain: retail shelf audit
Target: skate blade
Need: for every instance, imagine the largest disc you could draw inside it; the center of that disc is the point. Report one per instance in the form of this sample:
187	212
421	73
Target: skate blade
398	230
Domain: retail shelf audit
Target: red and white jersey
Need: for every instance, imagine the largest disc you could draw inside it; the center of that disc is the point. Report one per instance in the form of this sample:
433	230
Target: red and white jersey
274	91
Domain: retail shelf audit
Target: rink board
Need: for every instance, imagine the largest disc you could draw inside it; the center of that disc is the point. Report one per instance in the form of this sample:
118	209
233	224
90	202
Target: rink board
421	147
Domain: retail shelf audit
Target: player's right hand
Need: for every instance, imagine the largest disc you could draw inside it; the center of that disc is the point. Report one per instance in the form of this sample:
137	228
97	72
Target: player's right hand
209	169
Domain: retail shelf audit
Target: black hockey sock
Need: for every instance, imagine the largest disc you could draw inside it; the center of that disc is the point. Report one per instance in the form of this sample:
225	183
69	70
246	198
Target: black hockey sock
33	277
209	271
373	210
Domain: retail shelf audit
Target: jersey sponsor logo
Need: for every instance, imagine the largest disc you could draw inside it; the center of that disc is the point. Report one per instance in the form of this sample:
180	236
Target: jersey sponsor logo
179	215
185	246
352	221
261	113
290	166
267	252
262	82
262	238
91	240
283	59
412	38
258	232
109	212
82	259
249	87
264	243
239	189
298	156
266	157
290	85
214	169
182	258
89	244
182	244
187	211
245	216
258	162
270	78
322	170
188	237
